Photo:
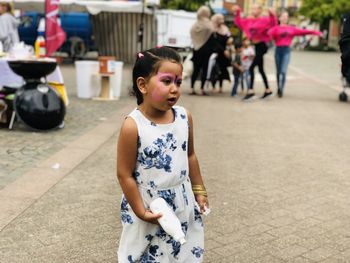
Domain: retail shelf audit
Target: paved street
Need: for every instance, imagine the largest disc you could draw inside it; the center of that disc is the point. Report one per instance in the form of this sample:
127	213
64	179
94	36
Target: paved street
277	173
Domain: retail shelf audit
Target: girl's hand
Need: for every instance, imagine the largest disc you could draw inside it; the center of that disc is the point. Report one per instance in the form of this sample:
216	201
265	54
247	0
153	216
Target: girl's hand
202	202
272	11
149	217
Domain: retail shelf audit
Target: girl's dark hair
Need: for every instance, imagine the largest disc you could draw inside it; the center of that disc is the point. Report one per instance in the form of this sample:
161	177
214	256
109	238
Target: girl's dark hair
147	65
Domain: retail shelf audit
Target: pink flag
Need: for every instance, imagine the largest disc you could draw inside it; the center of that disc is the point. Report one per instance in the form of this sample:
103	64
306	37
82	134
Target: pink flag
55	36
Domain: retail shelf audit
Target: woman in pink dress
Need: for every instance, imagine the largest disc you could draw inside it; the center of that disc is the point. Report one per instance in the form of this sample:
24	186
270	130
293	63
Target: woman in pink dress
283	35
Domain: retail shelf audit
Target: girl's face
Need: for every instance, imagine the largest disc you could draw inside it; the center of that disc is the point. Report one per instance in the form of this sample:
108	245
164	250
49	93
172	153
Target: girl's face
163	89
284	18
246	43
256	10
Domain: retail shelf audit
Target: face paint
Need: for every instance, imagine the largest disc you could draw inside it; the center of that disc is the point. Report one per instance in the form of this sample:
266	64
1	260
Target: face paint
164	81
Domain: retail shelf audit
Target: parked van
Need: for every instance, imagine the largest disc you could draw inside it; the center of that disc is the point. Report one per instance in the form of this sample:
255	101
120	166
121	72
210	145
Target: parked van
77	26
174	28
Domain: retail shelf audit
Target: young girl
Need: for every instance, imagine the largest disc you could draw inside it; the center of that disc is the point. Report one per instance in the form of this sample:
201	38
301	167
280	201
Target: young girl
237	69
283	35
248	54
156	158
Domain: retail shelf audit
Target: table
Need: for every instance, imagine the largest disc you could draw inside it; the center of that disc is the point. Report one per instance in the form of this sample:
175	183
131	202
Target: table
9	78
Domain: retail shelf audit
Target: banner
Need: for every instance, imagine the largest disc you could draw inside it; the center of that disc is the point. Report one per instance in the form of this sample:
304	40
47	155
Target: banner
55	36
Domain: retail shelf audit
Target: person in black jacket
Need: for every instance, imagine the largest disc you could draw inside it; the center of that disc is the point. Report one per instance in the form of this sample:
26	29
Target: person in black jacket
344	44
202	35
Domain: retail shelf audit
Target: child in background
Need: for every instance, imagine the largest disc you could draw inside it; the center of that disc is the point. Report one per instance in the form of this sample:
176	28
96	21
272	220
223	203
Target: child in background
237	69
156	158
229	50
248	54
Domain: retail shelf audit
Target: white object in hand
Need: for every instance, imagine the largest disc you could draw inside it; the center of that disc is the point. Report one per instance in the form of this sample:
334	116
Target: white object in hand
169	221
206	211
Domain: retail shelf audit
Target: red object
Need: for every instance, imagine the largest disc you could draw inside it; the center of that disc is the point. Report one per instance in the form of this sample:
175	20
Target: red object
55	36
42	48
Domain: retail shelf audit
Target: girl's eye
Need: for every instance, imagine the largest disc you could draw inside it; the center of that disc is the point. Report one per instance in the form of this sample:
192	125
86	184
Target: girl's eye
178	83
167	82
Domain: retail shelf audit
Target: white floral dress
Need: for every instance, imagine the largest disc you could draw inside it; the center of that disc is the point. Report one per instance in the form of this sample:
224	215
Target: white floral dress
162	171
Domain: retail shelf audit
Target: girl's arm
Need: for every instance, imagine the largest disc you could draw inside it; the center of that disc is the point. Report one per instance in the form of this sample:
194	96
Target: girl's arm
237	13
126	162
301	32
237	66
272	17
194	171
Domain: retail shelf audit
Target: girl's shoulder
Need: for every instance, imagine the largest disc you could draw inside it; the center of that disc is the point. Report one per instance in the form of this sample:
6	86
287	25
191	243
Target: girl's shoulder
134	113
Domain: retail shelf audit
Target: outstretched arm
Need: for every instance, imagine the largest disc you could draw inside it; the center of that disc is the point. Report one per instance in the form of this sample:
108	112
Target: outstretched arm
194	171
236	10
302	32
272	17
126	161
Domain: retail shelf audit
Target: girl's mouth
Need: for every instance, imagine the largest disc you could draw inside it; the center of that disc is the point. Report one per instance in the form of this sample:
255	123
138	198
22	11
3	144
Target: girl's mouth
172	101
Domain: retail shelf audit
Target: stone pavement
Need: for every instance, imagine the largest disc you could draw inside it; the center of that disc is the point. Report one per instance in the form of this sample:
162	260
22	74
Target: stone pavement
276	172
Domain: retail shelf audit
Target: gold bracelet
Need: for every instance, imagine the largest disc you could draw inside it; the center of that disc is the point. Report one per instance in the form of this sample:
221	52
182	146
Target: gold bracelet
203	193
199	190
198	187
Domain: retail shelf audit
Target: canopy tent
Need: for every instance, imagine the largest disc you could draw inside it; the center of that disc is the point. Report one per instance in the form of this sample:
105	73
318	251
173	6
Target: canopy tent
115	23
93	7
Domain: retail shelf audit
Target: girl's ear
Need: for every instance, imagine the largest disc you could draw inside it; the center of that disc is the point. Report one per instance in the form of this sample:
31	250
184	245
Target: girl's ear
141	84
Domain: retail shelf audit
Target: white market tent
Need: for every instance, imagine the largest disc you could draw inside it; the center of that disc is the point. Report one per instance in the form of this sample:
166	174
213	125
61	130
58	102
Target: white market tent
115	24
93	7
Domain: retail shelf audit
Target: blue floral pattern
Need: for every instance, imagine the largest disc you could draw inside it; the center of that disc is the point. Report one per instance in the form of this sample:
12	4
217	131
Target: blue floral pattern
184	145
197	251
161	234
138	142
198	216
125	216
176	247
136	175
149	237
152	184
156	155
169	196
183	174
184	194
150	255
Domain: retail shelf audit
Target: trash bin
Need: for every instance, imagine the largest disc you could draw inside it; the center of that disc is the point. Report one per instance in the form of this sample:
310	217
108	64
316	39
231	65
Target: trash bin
116	79
88	81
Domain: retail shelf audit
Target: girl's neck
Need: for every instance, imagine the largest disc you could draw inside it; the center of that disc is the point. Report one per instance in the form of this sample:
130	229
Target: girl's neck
155	115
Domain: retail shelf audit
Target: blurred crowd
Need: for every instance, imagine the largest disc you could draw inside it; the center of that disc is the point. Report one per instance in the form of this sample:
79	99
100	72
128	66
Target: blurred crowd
214	49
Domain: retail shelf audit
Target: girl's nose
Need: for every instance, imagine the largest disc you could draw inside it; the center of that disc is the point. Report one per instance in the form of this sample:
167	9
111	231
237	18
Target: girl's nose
174	88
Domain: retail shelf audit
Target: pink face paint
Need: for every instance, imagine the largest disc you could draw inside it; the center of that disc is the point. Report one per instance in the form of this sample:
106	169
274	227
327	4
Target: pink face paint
164	82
